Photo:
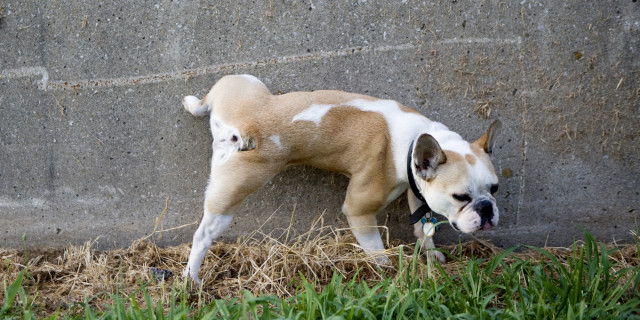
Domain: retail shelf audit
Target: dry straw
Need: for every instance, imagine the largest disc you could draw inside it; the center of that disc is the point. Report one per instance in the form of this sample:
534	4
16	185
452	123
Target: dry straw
261	263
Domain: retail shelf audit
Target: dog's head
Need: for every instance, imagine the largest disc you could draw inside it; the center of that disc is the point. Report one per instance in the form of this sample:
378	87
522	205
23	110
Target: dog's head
457	179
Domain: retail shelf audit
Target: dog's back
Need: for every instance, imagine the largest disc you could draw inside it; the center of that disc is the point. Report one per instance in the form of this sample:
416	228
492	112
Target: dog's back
278	126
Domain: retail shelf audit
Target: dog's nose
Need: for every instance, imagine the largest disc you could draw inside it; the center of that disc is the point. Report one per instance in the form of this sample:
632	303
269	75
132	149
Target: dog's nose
485	209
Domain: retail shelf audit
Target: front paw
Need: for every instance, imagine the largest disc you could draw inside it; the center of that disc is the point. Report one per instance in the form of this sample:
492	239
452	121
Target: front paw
433	253
381	259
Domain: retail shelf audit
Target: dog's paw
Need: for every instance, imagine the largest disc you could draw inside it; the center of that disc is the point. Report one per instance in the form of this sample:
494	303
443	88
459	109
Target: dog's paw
381	259
433	253
194	277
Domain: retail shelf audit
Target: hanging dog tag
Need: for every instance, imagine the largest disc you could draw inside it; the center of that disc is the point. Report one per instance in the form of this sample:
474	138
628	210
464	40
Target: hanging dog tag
428	228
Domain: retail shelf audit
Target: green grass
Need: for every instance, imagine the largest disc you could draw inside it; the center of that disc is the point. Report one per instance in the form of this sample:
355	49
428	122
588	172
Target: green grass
586	284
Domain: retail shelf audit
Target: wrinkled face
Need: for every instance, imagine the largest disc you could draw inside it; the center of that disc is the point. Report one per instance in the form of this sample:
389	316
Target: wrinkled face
462	190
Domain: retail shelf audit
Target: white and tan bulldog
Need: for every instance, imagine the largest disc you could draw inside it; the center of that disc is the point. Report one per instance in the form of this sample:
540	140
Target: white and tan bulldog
381	145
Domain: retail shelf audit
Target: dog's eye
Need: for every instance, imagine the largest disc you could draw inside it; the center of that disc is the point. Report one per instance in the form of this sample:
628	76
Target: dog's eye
494	189
462	197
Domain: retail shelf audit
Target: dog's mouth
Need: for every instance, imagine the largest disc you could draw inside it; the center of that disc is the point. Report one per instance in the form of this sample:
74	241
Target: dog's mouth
485	226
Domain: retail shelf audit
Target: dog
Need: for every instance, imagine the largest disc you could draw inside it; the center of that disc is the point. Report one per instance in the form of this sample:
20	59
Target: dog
384	148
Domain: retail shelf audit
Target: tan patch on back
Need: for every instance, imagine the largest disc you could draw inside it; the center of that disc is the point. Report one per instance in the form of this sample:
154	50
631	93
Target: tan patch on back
470	159
359	140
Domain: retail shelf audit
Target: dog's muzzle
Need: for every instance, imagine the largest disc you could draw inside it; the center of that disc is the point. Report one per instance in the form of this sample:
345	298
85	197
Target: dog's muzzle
485	209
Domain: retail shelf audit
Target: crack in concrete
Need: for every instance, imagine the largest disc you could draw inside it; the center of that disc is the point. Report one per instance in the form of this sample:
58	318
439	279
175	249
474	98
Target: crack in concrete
28	72
45	84
524	139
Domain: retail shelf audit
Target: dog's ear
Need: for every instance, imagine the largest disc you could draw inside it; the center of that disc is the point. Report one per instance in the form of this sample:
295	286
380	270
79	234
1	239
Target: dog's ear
427	155
488	139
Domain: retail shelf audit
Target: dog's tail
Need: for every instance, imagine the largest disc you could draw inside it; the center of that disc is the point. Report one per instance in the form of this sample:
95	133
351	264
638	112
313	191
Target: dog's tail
196	106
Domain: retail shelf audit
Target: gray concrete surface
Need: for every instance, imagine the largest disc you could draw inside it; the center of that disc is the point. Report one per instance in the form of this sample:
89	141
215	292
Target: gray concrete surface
94	140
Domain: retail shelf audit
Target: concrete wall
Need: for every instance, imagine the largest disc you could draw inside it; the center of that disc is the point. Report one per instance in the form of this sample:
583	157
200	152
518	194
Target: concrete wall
94	140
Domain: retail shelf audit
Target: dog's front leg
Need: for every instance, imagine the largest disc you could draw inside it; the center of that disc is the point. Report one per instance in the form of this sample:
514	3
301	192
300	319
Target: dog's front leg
426	242
360	210
365	229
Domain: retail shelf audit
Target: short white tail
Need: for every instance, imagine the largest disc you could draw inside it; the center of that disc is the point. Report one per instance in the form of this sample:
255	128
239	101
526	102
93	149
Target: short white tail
195	106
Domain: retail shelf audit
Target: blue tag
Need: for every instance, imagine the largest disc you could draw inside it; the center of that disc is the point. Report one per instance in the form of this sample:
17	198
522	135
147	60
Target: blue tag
429	226
432	220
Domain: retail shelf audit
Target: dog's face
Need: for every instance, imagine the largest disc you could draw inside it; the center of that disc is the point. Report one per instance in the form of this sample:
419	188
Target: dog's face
458	180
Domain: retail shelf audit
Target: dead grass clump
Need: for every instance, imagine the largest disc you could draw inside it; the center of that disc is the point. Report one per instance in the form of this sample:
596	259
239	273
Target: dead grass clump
261	263
269	263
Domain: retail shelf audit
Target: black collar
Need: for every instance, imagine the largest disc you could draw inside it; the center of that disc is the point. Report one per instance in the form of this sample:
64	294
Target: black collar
424	209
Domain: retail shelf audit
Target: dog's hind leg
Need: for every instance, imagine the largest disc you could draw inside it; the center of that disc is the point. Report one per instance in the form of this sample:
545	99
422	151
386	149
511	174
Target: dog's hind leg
230	183
210	228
